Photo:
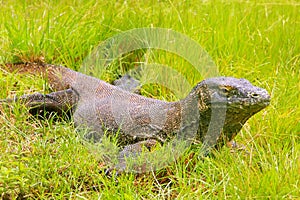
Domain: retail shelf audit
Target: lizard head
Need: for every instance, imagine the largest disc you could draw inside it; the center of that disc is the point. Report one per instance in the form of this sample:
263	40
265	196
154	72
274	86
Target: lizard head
233	101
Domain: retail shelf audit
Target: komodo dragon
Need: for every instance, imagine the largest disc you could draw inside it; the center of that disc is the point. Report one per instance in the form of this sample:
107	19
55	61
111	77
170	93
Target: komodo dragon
142	121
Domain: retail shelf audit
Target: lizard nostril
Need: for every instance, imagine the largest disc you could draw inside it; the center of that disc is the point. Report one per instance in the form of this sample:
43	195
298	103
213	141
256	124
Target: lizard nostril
254	95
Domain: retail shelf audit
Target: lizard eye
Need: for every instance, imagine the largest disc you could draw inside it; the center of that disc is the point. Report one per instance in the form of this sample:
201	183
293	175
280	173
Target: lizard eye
225	90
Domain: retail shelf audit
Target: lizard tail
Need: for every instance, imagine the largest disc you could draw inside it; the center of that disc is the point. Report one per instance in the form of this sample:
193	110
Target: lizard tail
58	77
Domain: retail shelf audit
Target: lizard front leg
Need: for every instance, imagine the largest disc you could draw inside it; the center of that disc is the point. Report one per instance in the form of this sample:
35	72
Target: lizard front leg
128	158
60	102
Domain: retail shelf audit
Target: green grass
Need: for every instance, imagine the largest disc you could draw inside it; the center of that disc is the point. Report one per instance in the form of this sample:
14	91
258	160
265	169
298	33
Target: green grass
258	40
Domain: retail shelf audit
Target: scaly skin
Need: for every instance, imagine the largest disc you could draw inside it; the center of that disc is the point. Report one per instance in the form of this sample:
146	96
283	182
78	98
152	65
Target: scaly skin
213	112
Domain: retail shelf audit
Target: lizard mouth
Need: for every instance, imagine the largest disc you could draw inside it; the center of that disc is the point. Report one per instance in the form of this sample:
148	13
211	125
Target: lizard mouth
249	104
247	107
242	105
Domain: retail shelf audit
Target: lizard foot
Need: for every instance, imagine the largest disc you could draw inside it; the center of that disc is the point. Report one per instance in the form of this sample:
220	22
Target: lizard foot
236	147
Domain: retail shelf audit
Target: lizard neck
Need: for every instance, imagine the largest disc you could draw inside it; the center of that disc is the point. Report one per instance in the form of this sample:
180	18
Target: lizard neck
200	116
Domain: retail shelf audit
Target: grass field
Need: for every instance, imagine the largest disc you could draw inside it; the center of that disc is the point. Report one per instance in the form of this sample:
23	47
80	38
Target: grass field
256	40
